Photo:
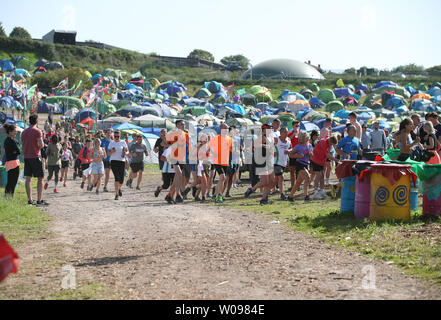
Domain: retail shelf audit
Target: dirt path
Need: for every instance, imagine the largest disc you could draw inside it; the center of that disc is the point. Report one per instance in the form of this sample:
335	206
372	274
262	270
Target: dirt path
142	248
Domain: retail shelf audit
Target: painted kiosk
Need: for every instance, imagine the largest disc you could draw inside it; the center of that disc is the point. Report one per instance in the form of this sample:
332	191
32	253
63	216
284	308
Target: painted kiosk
390	191
430	187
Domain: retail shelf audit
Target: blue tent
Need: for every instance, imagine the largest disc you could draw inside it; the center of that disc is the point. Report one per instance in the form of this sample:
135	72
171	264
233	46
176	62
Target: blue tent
365	116
85	113
339	129
383	125
6	65
308	126
316	102
126	126
287	93
7	100
394	102
163	93
213	86
342	114
152	131
384	84
434	91
362	87
236	107
343	92
401	109
194	101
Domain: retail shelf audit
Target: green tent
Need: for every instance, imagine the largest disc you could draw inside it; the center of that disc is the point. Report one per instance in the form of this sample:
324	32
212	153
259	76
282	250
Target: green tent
334	106
239	122
261	93
203	93
268	119
286	120
326	95
314	87
194	110
318	116
154	95
422	86
249	99
122	103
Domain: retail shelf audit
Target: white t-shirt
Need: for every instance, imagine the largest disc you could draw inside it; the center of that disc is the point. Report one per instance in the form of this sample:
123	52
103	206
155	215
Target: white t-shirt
274	134
167	166
66	155
119	146
281	159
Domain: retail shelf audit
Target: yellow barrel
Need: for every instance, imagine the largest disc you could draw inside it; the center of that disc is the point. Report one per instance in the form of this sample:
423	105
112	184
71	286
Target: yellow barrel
390	200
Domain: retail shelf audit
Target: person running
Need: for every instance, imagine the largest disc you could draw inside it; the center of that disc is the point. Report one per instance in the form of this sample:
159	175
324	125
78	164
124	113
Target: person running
54	153
168	174
283	149
85	157
294	137
179	157
77	146
204	165
137	152
97	166
235	160
66	159
106	161
12	164
220	149
160	146
118	151
32	142
320	154
302	153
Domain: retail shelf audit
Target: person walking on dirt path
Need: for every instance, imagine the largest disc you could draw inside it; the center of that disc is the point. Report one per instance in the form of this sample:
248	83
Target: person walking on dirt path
76	148
220	149
302	153
32	143
137	152
85	157
233	169
97	165
54	154
294	137
325	133
106	161
66	159
118	151
168	174
12	163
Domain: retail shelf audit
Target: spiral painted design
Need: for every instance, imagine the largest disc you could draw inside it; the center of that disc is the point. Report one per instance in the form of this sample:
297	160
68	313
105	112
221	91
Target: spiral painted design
400	195
381	196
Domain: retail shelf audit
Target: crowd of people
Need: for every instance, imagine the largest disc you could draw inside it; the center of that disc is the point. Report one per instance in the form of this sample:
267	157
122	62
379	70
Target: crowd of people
208	164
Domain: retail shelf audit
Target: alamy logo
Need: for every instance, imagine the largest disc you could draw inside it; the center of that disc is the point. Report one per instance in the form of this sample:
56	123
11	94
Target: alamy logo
69	280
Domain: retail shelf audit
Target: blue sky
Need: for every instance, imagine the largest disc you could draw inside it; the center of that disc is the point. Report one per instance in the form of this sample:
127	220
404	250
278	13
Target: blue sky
336	34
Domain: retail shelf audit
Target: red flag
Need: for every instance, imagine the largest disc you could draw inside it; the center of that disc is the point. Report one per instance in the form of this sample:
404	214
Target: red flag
230	86
8	259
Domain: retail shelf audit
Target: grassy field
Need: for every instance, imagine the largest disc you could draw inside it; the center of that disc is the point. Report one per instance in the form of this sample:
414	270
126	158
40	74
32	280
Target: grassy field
415	246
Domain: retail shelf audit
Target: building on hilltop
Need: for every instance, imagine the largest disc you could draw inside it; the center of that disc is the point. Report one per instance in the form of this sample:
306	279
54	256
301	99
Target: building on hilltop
61	36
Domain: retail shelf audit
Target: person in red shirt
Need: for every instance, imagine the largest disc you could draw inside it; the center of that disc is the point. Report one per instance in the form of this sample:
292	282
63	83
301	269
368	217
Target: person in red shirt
85	156
294	136
32	143
318	161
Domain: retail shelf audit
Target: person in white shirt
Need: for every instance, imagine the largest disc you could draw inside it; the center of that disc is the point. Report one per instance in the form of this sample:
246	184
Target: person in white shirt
118	151
168	175
282	150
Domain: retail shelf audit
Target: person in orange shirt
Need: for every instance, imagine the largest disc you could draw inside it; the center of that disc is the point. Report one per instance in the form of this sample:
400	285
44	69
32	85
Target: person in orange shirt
221	147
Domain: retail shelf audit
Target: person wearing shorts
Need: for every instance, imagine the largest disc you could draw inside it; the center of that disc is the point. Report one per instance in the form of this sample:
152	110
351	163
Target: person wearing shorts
66	159
283	149
294	136
137	152
85	157
54	153
318	160
97	166
32	143
302	153
118	151
168	175
233	168
105	144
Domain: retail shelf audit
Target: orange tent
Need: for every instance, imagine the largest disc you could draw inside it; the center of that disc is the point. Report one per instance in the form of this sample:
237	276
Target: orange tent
420	96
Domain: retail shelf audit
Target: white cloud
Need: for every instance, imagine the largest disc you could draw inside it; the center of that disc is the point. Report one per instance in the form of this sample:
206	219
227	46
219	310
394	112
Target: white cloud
69	17
368	17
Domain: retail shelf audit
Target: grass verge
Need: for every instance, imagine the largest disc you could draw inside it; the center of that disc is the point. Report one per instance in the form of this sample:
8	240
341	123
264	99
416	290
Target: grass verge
415	246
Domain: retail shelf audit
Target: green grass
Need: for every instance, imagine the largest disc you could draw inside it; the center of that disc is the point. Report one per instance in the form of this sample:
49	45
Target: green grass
86	292
415	246
19	221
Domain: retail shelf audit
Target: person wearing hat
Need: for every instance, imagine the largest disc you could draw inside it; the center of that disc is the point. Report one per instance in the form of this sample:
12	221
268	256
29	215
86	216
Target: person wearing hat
378	139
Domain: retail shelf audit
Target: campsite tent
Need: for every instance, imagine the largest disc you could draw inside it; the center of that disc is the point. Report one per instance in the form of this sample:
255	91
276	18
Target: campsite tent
326	95
334	106
203	93
6	65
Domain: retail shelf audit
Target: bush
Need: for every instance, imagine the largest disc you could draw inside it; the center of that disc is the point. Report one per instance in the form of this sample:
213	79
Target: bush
48	80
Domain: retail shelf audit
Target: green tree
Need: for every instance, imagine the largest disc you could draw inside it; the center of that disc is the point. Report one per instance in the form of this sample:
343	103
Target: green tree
201	54
243	61
19	32
350	71
434	71
2	30
410	69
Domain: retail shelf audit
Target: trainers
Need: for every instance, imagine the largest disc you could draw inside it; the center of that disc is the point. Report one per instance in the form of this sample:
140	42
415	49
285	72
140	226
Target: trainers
219	198
31	203
228	195
46	185
158	190
282	197
324	195
169	200
82	185
116	197
185	192
193	191
203	200
55	190
64	184
179	199
248	192
61	179
138	188
264	201
291	199
97	192
105	189
42	203
197	199
120	193
317	196
74	175
307	198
